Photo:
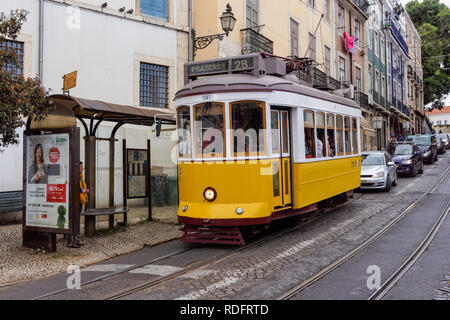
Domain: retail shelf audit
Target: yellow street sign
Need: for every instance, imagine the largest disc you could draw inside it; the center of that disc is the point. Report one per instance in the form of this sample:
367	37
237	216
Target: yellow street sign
70	80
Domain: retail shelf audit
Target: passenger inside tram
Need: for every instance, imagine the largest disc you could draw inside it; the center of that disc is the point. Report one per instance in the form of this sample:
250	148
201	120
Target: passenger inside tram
247	120
209	119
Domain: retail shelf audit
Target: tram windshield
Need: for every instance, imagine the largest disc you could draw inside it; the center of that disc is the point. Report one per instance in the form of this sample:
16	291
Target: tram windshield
372	160
209	129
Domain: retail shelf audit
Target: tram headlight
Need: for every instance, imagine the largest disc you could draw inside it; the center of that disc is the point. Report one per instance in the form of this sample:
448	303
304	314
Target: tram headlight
210	194
239	211
185	208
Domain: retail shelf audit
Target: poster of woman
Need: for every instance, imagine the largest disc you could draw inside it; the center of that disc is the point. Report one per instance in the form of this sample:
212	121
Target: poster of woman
47	191
38	170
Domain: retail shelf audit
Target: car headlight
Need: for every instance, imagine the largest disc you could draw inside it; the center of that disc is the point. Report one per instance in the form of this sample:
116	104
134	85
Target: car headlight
378	174
407	161
210	194
426	154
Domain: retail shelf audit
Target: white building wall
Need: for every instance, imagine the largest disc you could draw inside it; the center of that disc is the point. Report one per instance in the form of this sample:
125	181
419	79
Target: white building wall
106	50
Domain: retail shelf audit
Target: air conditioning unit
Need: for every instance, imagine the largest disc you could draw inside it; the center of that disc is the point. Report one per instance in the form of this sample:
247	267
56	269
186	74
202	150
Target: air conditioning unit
349	92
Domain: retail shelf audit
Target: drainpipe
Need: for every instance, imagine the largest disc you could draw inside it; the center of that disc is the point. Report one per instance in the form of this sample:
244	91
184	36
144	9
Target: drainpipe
41	40
190	53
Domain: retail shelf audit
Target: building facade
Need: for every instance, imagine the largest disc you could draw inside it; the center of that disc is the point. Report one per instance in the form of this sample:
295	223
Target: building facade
440	119
414	78
112	46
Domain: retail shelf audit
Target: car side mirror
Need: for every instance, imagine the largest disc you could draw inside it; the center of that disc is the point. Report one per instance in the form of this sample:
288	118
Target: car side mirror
391	163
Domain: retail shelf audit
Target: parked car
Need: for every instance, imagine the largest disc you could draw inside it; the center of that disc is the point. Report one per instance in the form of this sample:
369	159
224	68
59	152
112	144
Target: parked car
378	170
440	145
427	145
408	159
445	137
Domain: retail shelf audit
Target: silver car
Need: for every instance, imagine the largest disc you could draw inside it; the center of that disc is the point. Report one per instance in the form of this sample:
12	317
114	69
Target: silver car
445	138
378	170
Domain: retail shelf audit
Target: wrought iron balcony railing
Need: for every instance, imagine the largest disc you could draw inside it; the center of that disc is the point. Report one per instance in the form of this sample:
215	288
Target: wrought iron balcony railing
362	99
253	42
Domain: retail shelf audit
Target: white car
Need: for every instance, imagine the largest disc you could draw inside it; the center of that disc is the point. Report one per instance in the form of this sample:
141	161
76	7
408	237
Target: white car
378	170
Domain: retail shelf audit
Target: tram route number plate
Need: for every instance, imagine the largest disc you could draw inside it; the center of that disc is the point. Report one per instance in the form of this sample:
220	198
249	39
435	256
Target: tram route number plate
242	64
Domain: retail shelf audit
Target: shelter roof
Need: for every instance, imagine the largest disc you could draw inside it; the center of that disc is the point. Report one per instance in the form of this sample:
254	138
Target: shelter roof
95	109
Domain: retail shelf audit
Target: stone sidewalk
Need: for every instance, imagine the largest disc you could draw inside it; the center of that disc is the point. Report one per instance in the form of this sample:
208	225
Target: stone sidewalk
18	264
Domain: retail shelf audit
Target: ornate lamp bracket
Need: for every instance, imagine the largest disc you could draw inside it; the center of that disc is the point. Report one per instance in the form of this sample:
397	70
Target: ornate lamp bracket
203	42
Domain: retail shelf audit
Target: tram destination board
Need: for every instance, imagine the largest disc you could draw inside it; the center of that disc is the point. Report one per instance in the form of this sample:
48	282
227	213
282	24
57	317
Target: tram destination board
221	66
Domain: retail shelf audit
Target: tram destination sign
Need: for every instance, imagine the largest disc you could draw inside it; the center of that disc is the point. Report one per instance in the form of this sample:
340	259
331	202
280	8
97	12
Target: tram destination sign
221	66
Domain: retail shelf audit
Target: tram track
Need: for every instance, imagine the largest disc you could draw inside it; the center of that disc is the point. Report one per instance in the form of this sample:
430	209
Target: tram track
385	287
313	217
305	221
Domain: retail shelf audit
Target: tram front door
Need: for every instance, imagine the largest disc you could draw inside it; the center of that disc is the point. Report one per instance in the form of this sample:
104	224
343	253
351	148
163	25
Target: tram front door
281	165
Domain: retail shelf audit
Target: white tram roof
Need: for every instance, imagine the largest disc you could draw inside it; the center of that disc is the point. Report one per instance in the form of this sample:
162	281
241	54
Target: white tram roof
248	82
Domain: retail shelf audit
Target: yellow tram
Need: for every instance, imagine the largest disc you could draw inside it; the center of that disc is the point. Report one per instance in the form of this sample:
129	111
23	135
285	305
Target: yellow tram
257	144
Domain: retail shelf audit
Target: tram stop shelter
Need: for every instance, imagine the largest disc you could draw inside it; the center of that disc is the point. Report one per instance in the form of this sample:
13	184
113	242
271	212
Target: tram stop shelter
91	114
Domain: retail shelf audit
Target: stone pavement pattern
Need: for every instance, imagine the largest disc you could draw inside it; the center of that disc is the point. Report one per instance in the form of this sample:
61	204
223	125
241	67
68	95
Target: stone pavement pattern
19	264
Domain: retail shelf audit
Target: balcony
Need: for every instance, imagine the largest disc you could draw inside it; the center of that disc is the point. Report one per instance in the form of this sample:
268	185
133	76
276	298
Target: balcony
362	4
253	42
362	99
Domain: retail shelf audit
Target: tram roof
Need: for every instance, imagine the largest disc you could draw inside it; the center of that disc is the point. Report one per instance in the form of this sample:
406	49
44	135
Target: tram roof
248	82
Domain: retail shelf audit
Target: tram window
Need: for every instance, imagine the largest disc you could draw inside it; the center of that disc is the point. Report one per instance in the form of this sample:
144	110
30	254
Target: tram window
184	131
275	125
247	124
348	149
340	137
354	136
209	119
284	117
310	146
320	129
331	146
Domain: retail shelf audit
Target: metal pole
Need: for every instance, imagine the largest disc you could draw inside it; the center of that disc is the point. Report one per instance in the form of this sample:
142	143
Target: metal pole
125	176
111	180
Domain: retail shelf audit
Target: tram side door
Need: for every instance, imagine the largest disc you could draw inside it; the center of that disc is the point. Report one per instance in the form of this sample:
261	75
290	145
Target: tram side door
281	161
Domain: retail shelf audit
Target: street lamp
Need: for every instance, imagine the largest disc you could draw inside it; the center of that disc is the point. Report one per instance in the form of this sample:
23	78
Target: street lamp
227	20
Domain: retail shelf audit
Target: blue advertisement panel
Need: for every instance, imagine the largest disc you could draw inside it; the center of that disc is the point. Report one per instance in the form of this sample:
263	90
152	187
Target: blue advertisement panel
156	8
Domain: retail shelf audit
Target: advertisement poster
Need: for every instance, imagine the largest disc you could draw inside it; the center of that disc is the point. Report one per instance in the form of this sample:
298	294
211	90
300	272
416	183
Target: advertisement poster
137	164
47	191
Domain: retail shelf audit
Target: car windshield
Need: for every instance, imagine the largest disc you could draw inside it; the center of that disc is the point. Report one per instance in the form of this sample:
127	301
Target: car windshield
421	141
443	136
372	159
403	150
